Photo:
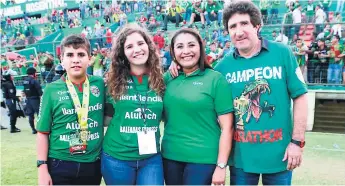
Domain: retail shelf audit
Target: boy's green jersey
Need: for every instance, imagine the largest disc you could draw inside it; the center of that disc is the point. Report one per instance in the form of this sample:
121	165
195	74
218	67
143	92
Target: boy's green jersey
58	118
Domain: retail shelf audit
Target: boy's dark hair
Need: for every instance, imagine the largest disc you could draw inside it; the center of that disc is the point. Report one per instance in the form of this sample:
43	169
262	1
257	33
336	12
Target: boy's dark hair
337	36
76	41
242	7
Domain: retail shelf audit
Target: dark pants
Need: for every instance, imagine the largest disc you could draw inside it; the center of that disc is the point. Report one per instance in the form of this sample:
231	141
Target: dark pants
175	19
181	173
313	72
11	105
323	72
274	16
239	177
264	14
74	173
32	108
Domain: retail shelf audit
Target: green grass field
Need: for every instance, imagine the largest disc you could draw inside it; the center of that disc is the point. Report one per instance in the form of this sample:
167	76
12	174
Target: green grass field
323	160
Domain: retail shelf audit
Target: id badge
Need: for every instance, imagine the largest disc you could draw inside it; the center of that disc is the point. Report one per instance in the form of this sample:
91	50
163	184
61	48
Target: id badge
147	142
76	145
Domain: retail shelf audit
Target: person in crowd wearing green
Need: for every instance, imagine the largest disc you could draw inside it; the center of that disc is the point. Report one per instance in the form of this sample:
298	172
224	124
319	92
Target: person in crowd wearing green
198	114
213	11
131	148
197	11
275	5
299	51
70	122
264	6
310	11
264	77
97	62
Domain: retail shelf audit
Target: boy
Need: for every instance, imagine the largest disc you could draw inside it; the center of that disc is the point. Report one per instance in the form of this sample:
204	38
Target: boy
70	122
301	55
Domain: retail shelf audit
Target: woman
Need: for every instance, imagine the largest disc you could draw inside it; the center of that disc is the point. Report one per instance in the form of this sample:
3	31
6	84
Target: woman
131	145
195	145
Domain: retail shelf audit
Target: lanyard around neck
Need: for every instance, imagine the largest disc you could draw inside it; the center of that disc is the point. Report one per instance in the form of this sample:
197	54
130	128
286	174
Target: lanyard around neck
82	110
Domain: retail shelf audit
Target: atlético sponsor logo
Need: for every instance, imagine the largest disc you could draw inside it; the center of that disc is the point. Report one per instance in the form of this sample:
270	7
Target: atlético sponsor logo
95	91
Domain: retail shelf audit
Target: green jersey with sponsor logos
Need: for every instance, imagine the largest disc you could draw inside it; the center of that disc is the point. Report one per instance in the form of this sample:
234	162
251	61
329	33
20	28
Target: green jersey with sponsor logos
191	106
58	118
262	89
121	140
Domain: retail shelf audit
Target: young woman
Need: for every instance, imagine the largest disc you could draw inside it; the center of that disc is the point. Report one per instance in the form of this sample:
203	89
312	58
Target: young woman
131	146
198	111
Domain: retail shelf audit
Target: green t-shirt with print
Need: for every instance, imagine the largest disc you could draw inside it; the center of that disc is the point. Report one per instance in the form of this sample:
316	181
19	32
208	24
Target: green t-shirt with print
215	7
186	4
58	118
310	9
262	88
194	10
121	140
192	105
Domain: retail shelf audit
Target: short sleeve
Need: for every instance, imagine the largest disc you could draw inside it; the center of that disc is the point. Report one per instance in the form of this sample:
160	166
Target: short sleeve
45	116
223	96
167	77
294	77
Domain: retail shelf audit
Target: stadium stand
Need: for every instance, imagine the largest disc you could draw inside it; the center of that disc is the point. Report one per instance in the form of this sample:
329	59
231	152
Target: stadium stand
50	21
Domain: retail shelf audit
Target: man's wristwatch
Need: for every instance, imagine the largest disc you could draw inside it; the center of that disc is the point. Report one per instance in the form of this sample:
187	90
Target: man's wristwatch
221	165
41	162
298	143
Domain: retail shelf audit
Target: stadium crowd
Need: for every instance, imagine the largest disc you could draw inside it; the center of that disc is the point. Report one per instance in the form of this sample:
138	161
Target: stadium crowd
314	31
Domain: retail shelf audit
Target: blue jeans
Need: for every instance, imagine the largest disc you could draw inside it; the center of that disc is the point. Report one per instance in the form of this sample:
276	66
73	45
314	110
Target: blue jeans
209	17
182	173
187	14
141	172
333	74
239	177
74	173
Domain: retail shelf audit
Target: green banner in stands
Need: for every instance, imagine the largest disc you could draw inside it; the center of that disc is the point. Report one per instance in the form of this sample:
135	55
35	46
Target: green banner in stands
36	7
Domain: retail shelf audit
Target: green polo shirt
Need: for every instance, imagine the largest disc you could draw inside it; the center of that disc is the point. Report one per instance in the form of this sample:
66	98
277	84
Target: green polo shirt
192	105
121	140
262	88
58	118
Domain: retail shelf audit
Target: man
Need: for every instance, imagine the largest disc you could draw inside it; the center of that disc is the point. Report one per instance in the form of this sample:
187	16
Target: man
258	70
322	54
310	11
9	94
282	38
173	15
264	77
33	92
320	18
335	61
297	18
264	6
274	35
70	122
213	11
197	14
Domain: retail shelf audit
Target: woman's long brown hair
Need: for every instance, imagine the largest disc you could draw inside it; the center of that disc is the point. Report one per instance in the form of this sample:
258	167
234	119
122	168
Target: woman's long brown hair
120	69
